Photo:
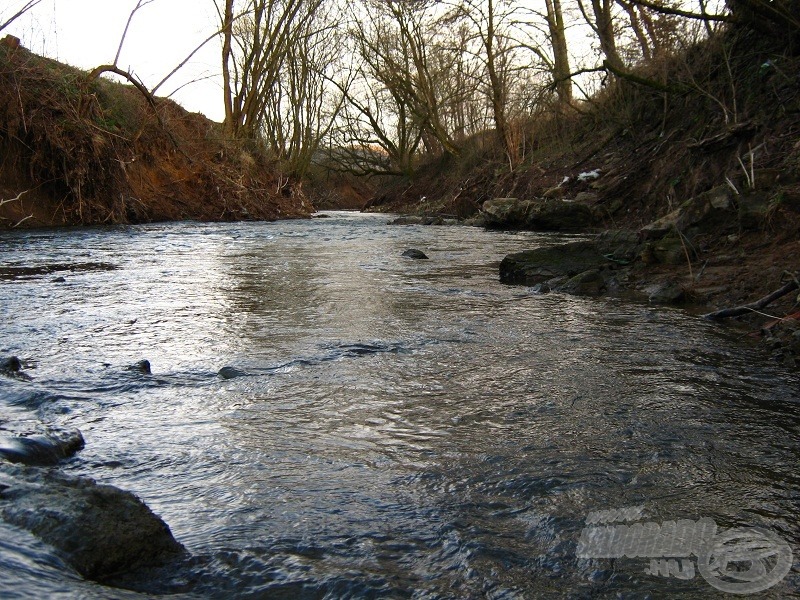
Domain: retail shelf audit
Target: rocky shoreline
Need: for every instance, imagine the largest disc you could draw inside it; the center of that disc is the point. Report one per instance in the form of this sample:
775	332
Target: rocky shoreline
707	254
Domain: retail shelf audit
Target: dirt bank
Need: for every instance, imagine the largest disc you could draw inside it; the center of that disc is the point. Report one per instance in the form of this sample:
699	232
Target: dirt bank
74	151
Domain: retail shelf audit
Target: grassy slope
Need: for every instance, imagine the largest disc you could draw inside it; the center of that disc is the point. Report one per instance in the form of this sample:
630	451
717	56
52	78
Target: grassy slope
99	153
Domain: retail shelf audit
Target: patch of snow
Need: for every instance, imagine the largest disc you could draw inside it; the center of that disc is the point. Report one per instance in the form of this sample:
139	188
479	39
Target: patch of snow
588	175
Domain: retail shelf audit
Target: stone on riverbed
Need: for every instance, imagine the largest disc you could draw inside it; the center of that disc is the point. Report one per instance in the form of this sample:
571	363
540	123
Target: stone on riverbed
542	264
231	373
100	530
143	367
11	366
41	449
415	254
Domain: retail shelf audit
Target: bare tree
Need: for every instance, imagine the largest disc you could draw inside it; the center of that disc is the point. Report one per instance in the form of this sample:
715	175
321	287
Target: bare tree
255	44
302	105
490	20
602	23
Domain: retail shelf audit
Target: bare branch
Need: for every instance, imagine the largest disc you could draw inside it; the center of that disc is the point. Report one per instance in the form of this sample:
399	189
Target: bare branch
139	5
19	13
2	202
667	10
754	306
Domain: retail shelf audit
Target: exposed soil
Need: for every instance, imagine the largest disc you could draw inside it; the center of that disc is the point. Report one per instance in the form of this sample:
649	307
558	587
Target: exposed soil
79	152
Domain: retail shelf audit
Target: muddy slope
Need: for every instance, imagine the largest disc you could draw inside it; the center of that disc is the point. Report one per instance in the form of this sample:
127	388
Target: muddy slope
74	152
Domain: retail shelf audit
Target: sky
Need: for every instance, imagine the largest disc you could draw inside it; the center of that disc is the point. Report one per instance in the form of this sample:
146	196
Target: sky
86	33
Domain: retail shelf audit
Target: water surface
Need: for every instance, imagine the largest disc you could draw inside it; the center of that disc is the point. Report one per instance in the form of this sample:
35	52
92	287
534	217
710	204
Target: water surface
404	429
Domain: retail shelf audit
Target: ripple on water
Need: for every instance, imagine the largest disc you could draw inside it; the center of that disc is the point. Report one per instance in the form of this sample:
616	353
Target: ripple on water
398	429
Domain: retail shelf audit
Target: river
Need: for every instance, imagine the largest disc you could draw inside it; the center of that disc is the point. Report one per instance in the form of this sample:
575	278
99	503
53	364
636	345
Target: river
400	429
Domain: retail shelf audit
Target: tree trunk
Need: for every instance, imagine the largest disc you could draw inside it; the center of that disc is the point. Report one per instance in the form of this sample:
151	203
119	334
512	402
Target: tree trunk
558	39
227	35
604	23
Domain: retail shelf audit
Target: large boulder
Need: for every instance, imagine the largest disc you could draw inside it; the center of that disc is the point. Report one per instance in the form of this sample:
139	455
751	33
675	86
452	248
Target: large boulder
621	246
506	213
100	530
542	264
560	215
549	214
708	208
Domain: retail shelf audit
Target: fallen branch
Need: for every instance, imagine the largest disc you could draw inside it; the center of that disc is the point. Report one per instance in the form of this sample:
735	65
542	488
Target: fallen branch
754	306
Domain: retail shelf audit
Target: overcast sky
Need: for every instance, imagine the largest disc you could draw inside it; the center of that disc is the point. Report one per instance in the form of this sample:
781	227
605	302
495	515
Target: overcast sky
86	33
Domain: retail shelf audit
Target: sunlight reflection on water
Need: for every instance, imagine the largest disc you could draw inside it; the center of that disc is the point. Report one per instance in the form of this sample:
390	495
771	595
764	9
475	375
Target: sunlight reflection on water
402	428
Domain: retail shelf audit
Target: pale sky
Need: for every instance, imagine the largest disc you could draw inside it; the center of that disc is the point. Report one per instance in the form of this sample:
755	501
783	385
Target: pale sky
86	33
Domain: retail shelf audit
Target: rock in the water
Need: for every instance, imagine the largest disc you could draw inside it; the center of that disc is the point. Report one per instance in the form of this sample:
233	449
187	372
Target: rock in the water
588	283
41	449
549	214
231	373
415	254
58	280
99	530
10	364
143	366
542	264
505	213
408	220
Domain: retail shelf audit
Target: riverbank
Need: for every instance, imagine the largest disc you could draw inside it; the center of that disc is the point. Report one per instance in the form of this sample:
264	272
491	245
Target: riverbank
703	175
78	150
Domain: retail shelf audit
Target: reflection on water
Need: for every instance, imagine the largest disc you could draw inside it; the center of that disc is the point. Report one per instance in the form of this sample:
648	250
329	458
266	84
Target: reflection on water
401	429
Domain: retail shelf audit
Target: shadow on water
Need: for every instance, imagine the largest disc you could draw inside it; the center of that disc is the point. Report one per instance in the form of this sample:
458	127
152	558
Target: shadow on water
325	418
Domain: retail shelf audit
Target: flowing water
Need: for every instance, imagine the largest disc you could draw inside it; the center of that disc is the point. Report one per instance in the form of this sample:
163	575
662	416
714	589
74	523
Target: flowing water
397	429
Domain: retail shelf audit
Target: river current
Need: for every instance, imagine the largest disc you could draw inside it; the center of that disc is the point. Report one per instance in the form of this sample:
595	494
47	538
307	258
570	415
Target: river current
398	428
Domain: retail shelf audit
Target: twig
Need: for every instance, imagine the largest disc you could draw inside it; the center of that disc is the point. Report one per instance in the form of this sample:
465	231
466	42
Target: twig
139	5
2	202
733	187
683	240
18	223
754	306
19	13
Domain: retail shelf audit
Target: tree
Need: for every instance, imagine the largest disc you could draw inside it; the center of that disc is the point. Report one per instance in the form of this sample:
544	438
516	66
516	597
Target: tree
254	49
301	106
490	20
602	23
